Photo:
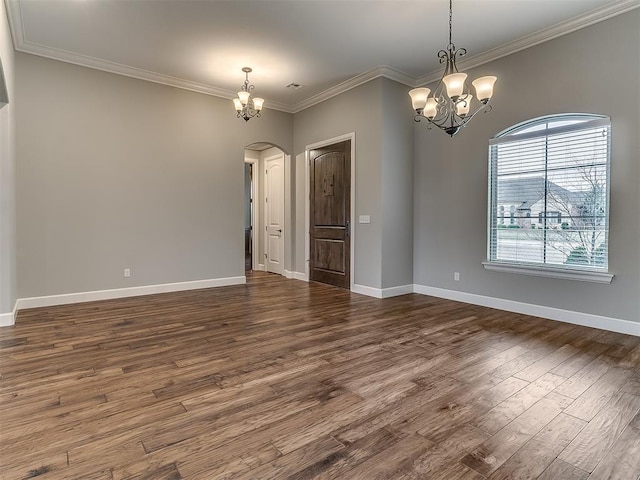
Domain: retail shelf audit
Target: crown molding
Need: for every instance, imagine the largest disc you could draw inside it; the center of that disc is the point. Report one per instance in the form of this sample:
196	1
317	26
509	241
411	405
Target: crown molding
133	72
597	15
20	44
381	71
590	18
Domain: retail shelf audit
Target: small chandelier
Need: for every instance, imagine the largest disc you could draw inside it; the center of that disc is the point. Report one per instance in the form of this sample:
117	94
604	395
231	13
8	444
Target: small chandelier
450	106
246	106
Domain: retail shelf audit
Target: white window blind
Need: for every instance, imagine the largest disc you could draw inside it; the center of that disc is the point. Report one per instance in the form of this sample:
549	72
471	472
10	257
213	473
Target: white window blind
549	193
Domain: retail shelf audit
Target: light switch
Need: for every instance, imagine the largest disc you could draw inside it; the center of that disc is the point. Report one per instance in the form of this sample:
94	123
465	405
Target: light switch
364	219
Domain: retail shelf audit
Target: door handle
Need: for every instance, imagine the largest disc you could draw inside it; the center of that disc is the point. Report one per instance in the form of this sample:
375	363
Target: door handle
346	228
279	230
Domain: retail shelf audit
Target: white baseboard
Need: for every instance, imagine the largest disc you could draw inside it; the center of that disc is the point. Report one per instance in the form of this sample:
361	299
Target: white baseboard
368	291
397	291
67	298
261	267
9	319
382	292
295	275
568	316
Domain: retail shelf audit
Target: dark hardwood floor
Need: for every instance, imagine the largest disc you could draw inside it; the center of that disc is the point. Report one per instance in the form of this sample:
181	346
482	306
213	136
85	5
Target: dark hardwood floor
279	379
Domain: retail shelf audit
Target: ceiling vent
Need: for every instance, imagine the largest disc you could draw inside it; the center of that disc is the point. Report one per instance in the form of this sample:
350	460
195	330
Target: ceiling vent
294	86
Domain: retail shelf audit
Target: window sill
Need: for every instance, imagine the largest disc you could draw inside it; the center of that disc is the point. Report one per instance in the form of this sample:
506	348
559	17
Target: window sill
550	272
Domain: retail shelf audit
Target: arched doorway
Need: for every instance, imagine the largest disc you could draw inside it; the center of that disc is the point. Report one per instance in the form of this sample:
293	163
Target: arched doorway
268	226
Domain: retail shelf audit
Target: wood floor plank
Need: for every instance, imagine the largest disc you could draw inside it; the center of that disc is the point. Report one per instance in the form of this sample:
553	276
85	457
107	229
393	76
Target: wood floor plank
489	456
577	362
437	459
591	445
623	459
544	365
391	460
518	403
562	470
632	360
401	410
598	395
536	455
437	418
633	385
580	381
287	465
318	426
286	379
523	361
340	463
455	471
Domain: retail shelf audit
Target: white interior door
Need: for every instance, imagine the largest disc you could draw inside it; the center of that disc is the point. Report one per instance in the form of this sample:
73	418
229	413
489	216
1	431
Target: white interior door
274	213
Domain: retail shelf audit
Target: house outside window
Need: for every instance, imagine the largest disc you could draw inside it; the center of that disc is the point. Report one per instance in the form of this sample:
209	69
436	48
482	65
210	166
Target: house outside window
552	175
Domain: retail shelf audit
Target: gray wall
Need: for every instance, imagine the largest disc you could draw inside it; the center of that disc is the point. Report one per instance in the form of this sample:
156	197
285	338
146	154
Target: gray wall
116	172
359	110
397	186
8	290
377	113
594	70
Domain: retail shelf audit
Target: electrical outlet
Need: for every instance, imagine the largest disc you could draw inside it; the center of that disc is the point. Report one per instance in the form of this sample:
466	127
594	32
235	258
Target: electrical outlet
456	276
127	272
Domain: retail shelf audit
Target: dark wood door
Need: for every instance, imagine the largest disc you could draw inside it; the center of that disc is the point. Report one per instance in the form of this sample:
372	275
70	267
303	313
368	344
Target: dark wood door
330	204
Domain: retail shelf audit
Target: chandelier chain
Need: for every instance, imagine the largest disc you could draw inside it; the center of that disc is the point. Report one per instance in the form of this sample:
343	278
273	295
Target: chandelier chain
449	108
450	20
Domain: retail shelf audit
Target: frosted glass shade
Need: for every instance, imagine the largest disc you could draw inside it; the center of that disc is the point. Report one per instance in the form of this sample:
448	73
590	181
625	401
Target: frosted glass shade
257	103
462	108
455	84
244	97
419	97
237	104
484	87
431	109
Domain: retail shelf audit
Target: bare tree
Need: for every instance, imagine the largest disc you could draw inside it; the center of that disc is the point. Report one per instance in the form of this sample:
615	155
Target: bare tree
581	237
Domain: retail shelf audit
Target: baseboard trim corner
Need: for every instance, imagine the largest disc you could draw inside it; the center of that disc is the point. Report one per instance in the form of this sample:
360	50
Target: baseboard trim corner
368	291
382	292
397	291
295	275
552	313
68	298
8	319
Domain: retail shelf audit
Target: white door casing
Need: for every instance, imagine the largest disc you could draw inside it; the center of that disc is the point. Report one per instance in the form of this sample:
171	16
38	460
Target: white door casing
274	213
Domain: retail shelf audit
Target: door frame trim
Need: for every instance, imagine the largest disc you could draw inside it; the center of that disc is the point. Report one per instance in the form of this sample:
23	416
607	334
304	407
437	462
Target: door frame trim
307	202
255	213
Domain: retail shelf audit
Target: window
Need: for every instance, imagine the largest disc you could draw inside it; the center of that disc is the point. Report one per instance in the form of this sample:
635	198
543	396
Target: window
552	175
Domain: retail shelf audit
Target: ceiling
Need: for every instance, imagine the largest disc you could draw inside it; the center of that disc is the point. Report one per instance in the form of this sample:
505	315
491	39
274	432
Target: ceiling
326	46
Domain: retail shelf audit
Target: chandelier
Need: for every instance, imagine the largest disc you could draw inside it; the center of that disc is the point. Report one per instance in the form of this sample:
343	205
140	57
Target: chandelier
246	106
449	108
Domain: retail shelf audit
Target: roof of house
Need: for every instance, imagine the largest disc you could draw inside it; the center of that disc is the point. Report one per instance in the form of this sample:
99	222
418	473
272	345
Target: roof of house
525	192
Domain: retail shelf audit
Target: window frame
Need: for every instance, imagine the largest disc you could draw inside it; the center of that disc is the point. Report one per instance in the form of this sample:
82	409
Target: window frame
509	135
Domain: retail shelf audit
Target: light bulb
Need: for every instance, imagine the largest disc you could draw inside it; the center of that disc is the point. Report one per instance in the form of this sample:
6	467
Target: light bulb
257	103
455	84
431	109
419	97
244	97
463	105
484	88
